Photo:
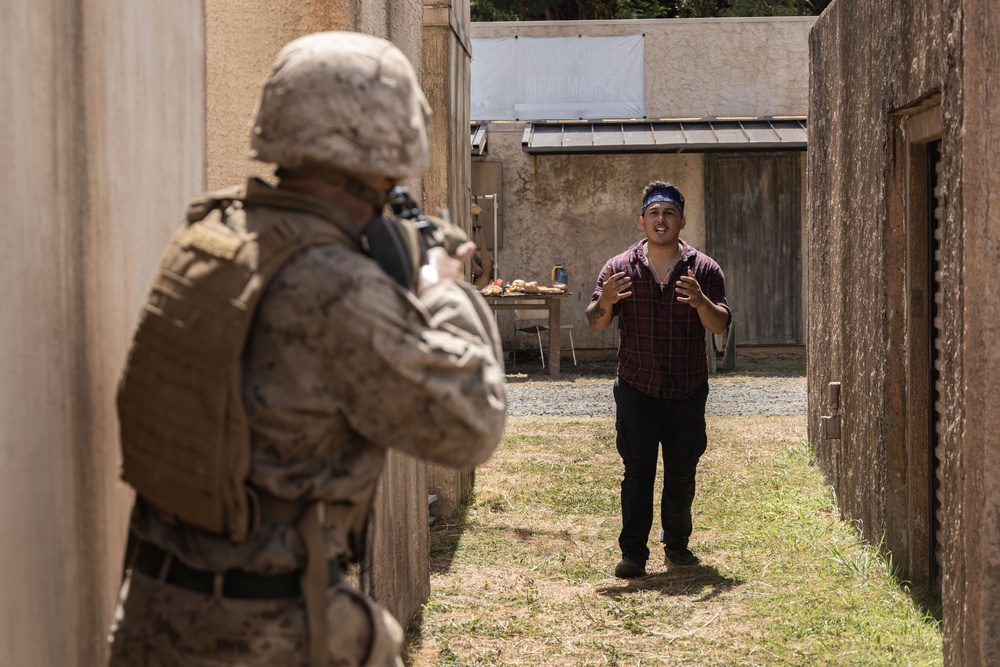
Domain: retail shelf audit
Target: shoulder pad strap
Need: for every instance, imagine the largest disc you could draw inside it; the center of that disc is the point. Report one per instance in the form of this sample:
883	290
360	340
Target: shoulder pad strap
201	206
259	193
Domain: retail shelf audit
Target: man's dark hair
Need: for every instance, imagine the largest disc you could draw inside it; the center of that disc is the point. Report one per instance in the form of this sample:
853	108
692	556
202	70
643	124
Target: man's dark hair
662	188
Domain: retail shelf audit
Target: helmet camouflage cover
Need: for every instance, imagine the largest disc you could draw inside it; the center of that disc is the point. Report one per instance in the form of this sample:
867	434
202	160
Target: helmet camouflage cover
344	101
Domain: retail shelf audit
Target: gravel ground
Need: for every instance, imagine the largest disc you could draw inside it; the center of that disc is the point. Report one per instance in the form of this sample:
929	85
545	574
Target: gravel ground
736	397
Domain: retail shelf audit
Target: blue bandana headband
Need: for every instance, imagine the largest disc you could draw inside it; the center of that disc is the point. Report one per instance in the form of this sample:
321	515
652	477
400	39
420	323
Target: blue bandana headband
671	196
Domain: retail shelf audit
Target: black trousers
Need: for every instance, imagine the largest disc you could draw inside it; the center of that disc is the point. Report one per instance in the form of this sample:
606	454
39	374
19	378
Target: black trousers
644	423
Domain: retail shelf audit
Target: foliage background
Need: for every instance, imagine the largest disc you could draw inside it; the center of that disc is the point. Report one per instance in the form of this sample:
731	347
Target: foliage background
593	10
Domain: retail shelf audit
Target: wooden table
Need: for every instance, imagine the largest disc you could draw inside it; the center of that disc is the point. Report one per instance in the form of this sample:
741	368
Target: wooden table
549	302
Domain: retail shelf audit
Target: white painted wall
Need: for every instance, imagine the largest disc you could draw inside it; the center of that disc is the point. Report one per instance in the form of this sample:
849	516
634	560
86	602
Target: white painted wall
699	68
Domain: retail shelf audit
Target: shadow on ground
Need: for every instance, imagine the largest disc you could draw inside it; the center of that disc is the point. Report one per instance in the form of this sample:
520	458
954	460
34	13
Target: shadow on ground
444	536
687	581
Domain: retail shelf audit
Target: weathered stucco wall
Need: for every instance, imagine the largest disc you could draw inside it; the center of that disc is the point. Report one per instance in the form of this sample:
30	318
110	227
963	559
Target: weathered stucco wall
105	124
873	64
580	210
244	38
704	67
973	636
447	54
447	57
103	119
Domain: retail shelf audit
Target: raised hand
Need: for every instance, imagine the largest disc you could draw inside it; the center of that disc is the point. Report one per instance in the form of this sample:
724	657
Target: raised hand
617	286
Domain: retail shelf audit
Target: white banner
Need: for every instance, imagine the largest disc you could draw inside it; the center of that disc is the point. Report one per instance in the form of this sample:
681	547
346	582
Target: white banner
557	78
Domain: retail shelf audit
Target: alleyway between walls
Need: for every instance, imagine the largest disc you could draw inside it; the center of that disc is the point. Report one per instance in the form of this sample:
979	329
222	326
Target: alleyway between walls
524	577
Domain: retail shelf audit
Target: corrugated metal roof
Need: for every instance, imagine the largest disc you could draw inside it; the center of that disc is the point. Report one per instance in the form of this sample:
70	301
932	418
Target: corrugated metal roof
477	136
666	136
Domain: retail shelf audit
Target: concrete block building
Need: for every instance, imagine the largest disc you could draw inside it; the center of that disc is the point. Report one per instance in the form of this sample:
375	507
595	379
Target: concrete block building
720	110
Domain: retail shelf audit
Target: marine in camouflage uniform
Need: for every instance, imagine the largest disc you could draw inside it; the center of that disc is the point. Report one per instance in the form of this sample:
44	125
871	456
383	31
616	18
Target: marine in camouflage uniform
341	363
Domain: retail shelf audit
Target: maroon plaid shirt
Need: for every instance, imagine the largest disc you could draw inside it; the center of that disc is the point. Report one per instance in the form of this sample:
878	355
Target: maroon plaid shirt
661	346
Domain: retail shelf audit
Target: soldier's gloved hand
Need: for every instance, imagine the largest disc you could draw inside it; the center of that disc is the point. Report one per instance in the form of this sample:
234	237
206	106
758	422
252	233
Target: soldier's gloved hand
440	265
443	233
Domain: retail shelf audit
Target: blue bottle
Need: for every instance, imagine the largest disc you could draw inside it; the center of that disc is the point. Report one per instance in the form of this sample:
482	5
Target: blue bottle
560	275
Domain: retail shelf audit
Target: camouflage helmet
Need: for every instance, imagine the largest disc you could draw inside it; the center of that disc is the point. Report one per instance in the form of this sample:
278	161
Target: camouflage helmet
343	101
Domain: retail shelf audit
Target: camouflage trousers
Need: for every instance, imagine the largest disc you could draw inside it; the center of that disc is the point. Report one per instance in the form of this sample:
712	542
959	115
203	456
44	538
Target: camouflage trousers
160	625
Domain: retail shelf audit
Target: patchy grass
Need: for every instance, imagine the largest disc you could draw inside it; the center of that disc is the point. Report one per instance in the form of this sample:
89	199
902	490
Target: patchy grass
525	576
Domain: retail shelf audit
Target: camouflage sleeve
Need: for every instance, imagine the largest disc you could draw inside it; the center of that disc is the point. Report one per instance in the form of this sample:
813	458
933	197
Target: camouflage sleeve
423	374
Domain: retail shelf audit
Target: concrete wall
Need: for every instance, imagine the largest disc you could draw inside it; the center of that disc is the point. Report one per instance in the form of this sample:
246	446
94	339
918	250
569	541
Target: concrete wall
106	126
243	38
878	70
849	239
974	633
582	209
579	210
447	57
704	67
103	136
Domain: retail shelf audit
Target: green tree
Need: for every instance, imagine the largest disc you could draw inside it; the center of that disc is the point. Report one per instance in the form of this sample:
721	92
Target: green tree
773	7
543	10
593	10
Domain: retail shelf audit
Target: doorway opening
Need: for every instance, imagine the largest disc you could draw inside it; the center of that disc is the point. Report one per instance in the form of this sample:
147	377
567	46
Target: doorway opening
923	221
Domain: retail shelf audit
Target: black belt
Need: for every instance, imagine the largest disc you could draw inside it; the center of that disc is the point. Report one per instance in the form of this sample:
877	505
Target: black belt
149	560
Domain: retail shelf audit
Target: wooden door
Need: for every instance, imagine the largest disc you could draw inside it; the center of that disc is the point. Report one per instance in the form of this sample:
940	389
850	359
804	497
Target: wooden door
753	220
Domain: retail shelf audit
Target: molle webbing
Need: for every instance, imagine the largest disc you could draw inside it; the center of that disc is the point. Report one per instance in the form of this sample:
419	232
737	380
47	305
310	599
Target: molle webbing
184	433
